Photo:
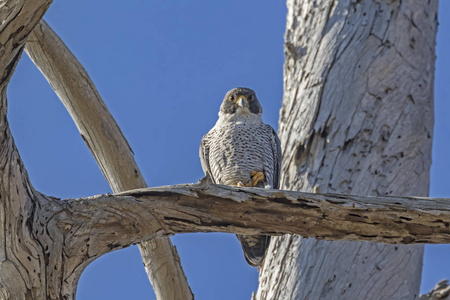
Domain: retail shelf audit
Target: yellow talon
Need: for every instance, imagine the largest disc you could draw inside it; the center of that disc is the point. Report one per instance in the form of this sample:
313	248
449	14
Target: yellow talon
257	177
240	184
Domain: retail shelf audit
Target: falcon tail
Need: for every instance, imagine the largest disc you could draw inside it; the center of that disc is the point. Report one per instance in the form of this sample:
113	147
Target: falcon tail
254	247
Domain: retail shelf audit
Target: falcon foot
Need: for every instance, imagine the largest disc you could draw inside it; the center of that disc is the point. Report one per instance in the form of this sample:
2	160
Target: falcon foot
240	184
257	177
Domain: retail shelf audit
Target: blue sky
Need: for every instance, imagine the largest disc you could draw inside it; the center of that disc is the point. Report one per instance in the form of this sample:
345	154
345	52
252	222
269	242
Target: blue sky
158	65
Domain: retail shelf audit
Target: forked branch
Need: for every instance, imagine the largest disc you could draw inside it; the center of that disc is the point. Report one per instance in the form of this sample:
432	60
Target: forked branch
109	147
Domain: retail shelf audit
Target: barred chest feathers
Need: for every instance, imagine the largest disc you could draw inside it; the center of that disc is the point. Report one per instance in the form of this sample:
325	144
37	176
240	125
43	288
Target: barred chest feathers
241	150
240	144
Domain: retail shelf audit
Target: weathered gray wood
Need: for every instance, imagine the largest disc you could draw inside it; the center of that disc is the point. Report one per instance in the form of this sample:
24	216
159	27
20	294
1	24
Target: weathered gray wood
23	259
357	118
367	129
109	147
141	214
441	291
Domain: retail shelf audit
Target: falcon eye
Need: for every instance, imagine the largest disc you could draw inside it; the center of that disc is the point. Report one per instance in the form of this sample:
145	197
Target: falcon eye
231	98
250	97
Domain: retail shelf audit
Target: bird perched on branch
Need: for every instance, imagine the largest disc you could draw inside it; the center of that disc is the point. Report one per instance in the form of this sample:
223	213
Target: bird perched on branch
241	150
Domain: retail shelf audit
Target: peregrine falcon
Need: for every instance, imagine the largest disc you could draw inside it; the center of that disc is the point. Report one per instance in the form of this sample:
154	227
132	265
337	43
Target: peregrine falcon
241	150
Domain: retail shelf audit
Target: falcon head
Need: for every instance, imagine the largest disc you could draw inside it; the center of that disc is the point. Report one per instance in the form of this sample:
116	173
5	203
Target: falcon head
240	101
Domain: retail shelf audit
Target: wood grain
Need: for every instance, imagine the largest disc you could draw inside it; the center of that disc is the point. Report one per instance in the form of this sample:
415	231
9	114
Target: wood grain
107	144
357	118
141	214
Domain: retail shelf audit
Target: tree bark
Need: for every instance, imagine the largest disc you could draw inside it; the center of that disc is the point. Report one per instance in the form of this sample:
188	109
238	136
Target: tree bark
168	210
23	259
357	117
109	147
440	291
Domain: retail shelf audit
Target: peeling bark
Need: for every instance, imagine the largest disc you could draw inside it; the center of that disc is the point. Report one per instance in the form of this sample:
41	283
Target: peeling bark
357	118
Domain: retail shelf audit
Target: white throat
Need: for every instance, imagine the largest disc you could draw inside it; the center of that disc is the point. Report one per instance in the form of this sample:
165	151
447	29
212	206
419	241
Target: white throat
239	117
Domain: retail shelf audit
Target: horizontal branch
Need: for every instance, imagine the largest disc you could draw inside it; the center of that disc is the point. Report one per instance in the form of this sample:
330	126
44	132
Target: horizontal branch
133	216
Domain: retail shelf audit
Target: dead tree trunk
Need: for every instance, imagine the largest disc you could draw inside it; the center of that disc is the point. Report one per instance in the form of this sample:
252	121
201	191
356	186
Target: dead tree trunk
357	117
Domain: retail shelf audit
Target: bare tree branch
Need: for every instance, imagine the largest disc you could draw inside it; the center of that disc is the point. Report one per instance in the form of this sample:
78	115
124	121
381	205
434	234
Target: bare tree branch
18	18
23	265
134	216
440	291
46	243
111	150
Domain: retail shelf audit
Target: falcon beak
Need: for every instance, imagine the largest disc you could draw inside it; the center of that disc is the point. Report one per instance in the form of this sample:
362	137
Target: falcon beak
242	102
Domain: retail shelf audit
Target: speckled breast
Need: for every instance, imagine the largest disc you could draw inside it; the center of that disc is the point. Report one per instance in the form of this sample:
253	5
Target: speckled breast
238	149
